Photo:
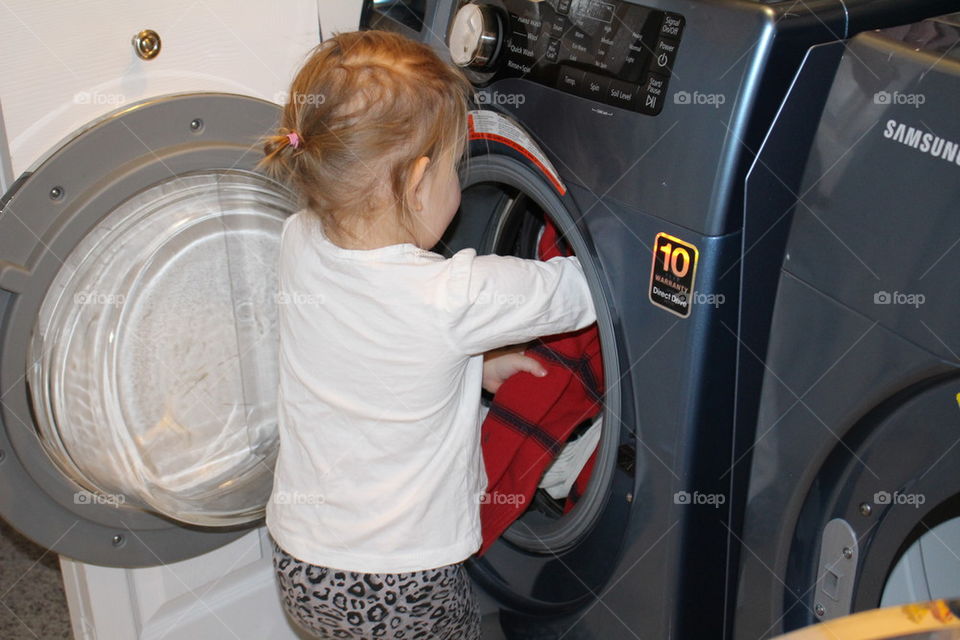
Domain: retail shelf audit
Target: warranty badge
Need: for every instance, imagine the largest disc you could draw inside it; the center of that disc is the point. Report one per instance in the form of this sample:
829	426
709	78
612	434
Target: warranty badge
672	274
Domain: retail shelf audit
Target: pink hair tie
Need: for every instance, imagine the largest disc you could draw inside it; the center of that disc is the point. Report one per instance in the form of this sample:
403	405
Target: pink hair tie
294	139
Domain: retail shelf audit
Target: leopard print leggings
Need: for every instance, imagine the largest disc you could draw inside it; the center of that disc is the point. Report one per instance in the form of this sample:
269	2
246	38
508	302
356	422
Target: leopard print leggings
434	604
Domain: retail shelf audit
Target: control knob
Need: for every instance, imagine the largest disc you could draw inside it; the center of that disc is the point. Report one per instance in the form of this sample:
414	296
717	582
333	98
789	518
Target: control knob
475	36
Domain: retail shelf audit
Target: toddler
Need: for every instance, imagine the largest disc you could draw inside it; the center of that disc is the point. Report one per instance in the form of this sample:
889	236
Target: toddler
379	478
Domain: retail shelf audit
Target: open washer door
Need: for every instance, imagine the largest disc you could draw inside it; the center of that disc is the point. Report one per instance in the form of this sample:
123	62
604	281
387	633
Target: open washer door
138	335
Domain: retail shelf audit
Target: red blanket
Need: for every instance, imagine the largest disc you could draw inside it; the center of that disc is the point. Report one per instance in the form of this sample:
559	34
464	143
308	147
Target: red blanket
531	418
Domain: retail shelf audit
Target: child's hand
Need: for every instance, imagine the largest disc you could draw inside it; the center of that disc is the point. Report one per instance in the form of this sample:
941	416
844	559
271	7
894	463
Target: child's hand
500	364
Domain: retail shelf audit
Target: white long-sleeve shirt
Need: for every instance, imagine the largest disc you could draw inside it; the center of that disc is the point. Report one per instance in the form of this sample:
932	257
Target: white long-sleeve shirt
381	363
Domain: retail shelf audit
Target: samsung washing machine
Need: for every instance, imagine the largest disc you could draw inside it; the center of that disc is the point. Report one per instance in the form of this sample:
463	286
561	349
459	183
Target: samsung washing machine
137	319
636	127
853	496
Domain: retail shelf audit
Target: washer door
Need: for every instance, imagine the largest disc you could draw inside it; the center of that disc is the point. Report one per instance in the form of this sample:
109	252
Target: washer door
552	559
897	493
137	277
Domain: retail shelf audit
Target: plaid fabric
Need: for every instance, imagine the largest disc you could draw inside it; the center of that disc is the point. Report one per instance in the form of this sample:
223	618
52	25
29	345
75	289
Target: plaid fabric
531	418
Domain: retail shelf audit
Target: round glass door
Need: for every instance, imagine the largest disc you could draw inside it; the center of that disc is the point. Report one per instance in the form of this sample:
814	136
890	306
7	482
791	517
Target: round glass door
152	365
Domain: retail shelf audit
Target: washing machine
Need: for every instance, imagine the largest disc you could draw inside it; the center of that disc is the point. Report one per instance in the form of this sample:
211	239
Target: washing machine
634	127
137	323
853	490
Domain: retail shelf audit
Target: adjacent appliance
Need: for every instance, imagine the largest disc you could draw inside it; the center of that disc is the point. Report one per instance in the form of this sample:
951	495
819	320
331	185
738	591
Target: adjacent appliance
853	497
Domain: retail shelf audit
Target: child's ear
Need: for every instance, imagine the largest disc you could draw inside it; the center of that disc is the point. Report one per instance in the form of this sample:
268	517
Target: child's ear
415	182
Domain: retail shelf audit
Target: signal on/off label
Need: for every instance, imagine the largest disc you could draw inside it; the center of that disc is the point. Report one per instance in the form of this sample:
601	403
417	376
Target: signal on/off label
673	274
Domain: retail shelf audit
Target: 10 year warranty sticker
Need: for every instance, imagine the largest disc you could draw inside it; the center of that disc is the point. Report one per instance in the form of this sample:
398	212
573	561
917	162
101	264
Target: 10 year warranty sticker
673	273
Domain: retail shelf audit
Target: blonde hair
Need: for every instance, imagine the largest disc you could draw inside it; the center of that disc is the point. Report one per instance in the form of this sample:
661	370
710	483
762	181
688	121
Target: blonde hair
364	106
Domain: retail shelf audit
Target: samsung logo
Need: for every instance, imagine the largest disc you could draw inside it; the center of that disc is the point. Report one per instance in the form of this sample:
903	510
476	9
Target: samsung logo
924	142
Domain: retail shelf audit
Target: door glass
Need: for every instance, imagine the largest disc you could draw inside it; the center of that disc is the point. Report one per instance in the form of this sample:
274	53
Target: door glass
153	362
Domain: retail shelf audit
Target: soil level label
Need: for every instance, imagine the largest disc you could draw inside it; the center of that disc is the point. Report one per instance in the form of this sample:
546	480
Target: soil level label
672	274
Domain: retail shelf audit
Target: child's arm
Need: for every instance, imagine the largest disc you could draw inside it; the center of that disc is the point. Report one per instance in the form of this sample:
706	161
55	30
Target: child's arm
500	364
494	301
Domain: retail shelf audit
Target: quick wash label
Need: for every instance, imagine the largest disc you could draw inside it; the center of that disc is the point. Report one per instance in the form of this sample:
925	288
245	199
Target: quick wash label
673	274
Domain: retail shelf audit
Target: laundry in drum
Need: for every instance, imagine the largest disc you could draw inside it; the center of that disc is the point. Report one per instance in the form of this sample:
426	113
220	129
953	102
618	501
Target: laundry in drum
540	434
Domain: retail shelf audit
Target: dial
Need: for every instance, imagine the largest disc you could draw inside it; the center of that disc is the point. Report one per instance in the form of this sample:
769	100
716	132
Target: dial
475	36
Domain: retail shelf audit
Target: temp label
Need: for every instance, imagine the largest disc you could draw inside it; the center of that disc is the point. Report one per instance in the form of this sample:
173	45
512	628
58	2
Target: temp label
673	273
490	125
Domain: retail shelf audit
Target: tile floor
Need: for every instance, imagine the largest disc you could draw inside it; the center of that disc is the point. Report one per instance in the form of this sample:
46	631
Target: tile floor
32	604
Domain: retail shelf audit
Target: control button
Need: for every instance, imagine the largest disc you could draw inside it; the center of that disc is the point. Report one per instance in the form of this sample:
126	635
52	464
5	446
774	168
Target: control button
652	93
563	6
475	37
664	53
578	48
524	38
573	47
632	68
579	36
525	22
570	80
622	94
520	50
635	59
518	66
655	84
553	49
650	104
672	25
637	48
602	60
594	86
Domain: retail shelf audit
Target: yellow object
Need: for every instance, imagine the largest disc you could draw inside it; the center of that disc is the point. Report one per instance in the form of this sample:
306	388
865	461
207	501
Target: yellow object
934	617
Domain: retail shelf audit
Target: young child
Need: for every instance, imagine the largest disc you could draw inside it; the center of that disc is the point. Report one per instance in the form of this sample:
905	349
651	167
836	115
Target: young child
379	478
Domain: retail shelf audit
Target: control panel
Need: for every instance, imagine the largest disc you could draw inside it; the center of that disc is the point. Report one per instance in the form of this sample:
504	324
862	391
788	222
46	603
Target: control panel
614	52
